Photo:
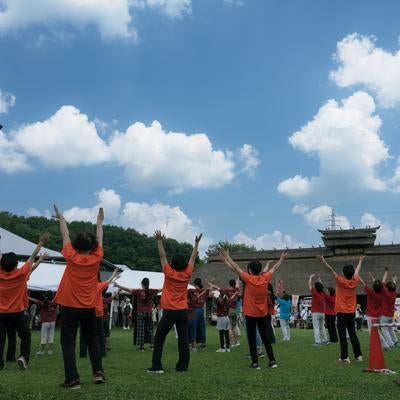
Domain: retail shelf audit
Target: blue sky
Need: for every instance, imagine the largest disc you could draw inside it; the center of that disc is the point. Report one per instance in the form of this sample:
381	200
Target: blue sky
268	115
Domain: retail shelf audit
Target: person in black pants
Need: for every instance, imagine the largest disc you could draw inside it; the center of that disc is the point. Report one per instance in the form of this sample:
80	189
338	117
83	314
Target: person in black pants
11	342
174	305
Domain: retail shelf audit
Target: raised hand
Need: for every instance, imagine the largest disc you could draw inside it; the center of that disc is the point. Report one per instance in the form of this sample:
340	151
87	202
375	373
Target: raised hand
57	213
198	238
158	235
43	256
100	215
284	255
44	237
362	258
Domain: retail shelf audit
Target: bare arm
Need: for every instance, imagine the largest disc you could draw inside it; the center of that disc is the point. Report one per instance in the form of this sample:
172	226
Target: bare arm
226	258
310	281
195	249
327	266
394	279
283	257
385	274
63	226
159	238
114	275
362	280
40	259
358	268
31	299
99	227
35	252
122	287
267	265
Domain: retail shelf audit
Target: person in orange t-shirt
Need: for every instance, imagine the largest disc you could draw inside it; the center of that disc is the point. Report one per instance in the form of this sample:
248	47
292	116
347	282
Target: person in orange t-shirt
77	295
14	300
255	306
174	304
345	307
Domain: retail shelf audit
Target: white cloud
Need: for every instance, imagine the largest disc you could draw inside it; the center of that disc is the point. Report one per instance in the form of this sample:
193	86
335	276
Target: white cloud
66	139
320	217
386	234
7	100
153	157
346	139
11	159
267	241
108	199
362	63
250	159
172	8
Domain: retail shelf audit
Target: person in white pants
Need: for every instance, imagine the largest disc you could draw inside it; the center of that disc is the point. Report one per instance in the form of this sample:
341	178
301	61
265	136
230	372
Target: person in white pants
388	309
285	305
318	310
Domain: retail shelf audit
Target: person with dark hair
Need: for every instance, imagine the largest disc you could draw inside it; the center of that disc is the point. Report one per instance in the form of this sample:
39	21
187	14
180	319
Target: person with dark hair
14	300
255	303
373	313
199	297
271	299
77	294
107	301
318	310
174	305
388	308
285	305
48	318
330	314
345	307
144	297
223	323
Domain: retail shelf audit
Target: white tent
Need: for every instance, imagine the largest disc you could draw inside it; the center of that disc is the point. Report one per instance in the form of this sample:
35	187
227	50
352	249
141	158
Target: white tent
13	243
46	276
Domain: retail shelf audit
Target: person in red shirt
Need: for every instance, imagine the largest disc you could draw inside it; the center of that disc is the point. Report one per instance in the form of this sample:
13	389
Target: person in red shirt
388	308
375	295
77	295
144	298
345	307
330	314
223	323
14	300
191	323
255	307
174	305
318	309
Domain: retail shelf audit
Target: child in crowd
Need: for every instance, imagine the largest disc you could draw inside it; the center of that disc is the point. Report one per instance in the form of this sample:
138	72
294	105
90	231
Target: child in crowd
77	294
330	314
174	304
14	300
318	310
144	296
48	318
255	303
388	309
345	307
285	305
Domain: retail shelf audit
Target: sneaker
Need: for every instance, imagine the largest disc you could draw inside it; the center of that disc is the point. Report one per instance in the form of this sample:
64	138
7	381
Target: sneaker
220	351
22	364
359	358
72	385
254	366
261	355
272	364
99	377
40	353
152	370
193	350
228	350
344	360
50	352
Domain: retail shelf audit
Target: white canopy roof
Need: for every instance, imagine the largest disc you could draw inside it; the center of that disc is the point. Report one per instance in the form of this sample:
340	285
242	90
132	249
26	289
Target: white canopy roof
13	243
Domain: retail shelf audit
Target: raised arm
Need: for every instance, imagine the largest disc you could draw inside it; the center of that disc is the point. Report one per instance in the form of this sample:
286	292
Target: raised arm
358	268
394	279
226	258
283	257
42	240
40	259
385	274
63	226
267	265
327	266
195	249
32	300
310	281
114	275
362	280
99	227
159	238
116	284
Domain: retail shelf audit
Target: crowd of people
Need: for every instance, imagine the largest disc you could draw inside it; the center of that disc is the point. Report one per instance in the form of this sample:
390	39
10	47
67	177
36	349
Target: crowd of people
81	303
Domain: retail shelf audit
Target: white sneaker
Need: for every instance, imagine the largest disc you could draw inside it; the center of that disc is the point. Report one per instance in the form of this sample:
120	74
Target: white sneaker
22	364
40	353
359	358
220	351
344	360
228	350
50	352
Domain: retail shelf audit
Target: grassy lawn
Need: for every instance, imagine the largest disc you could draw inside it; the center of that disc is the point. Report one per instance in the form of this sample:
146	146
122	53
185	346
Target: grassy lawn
304	372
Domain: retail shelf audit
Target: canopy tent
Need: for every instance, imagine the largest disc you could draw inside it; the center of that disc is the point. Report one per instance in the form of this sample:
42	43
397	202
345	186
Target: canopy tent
11	242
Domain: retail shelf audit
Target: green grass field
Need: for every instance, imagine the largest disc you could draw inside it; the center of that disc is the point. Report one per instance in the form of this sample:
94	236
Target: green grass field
304	372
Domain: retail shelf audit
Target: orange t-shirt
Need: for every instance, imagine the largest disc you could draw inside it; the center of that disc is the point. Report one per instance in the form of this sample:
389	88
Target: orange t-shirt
255	296
78	286
346	301
99	298
175	291
14	290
